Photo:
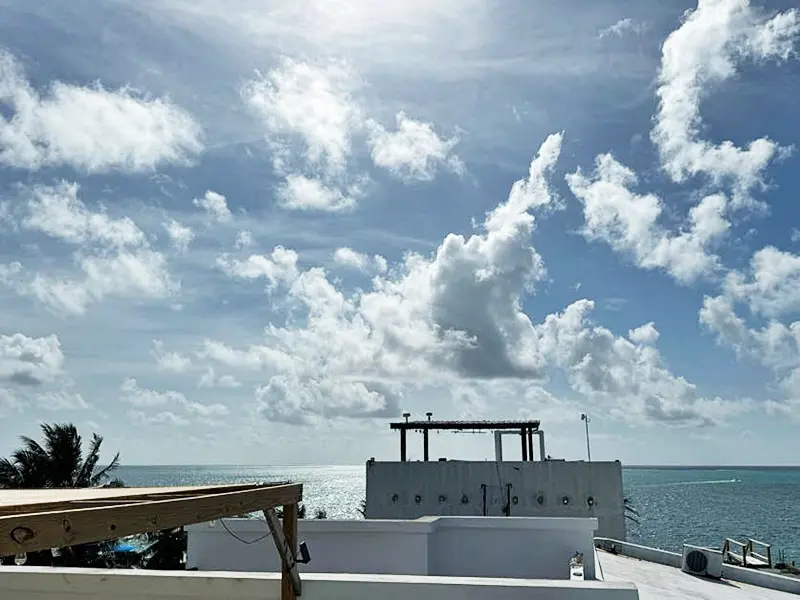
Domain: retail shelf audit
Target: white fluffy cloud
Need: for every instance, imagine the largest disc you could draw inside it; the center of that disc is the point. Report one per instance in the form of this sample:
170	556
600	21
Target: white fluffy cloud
143	398
215	205
165	417
299	192
776	345
61	400
180	236
414	151
703	52
314	118
280	266
288	399
455	315
362	262
315	106
112	258
30	361
57	212
771	285
621	27
629	222
244	239
174	362
89	128
645	334
210	379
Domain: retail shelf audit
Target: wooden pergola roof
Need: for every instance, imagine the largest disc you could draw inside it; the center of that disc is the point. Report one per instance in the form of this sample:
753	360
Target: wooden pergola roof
41	519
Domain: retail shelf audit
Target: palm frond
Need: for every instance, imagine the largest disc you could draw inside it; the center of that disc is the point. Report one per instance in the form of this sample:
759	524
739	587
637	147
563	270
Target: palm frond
86	472
103	474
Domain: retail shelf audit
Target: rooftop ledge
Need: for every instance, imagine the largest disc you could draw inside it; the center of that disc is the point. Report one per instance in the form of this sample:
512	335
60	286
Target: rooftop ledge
416	526
29	583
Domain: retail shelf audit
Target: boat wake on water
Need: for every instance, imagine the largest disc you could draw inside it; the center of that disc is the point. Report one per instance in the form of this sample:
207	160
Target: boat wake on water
708	482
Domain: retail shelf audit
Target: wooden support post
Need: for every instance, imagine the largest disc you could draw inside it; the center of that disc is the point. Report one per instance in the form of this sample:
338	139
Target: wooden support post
530	445
425	444
285	538
403	445
522	434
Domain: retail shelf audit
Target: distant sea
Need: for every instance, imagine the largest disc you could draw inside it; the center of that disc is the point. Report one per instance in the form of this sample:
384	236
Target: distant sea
676	505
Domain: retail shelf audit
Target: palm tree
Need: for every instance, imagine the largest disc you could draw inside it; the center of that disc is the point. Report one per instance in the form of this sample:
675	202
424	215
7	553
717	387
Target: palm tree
58	462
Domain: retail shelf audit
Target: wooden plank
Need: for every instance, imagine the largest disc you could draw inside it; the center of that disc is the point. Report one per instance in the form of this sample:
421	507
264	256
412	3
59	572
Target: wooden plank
284	535
41	500
58	528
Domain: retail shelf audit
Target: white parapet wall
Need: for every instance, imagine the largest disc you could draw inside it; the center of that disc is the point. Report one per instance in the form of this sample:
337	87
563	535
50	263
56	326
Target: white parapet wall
551	488
520	547
34	583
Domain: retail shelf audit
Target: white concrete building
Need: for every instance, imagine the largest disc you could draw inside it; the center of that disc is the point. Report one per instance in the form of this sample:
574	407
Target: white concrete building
519	488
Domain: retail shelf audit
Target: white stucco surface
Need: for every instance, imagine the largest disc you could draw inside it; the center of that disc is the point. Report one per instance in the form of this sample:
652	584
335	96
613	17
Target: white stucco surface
524	547
89	584
552	488
662	582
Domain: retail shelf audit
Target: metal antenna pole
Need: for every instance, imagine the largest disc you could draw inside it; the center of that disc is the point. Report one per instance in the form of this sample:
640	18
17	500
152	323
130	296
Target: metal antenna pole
585	419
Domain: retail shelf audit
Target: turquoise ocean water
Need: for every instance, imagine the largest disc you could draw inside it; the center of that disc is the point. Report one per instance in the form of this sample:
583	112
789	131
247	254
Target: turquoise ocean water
676	505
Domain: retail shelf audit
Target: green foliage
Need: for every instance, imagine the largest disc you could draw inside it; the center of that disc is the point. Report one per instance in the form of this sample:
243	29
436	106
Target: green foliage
57	462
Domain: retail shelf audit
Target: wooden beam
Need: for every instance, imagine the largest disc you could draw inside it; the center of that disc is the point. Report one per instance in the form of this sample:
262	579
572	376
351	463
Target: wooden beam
284	535
104	495
70	525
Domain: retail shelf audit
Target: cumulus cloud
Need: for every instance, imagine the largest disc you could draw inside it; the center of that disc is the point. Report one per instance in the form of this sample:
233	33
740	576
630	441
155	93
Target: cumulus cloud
57	212
143	398
165	417
771	284
215	206
314	118
705	51
621	27
413	151
769	289
290	400
312	105
61	400
629	222
210	379
453	316
113	257
645	334
180	236
244	239
348	257
299	192
280	266
30	361
174	362
89	128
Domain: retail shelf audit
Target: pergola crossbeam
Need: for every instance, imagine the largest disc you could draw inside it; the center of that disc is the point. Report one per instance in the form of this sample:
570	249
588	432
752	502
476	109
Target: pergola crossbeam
33	520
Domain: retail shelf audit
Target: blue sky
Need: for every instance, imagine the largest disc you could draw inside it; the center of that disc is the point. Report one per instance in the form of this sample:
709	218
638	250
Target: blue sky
254	232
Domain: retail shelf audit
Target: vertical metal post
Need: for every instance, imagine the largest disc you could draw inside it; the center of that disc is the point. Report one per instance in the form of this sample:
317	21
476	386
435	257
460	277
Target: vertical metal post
522	434
403	445
425	444
585	419
530	445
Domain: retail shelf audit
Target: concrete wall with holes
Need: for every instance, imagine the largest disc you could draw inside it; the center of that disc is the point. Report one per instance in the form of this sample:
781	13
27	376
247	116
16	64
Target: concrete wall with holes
552	488
528	548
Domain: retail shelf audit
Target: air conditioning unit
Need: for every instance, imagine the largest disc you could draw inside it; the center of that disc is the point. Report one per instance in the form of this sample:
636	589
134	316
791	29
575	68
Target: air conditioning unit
701	561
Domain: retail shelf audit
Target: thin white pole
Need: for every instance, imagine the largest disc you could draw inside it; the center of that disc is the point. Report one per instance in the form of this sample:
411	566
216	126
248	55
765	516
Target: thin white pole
585	419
